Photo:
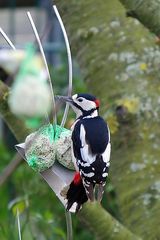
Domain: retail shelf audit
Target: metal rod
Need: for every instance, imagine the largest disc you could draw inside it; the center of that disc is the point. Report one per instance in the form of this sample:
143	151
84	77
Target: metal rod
7	39
69	225
69	63
45	62
19	225
68	214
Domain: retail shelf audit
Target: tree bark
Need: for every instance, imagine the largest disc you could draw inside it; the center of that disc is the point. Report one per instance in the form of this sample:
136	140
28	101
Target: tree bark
102	224
10	168
146	11
120	64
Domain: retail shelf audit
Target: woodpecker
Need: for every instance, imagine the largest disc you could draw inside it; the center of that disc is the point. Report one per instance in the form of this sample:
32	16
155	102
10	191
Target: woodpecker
90	149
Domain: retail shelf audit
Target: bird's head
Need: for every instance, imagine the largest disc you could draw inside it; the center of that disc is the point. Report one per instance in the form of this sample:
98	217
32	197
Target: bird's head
83	104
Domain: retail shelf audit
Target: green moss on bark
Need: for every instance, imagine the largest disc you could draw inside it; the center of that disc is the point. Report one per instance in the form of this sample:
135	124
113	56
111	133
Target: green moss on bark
102	224
146	11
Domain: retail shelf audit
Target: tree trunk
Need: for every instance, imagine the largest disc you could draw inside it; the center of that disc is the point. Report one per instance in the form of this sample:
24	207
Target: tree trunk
120	62
102	224
146	11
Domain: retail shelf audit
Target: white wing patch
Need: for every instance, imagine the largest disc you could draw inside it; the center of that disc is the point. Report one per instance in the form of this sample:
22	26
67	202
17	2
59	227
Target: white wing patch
106	155
91	174
105	174
74	160
86	154
83	164
82	136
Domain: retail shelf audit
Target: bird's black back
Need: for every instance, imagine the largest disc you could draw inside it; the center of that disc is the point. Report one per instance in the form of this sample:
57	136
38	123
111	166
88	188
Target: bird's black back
97	135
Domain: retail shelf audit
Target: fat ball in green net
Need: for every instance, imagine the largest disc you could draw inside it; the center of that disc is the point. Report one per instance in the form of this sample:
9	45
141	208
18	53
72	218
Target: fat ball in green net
40	151
63	149
48	144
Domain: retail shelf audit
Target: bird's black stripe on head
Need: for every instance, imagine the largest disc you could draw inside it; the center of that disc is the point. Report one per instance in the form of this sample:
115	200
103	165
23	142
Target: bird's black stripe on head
77	106
85	113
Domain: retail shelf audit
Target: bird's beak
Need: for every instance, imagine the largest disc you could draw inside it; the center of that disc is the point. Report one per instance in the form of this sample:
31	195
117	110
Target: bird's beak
64	99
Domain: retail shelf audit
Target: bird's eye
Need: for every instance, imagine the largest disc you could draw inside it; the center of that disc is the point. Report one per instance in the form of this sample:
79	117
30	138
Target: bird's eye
80	99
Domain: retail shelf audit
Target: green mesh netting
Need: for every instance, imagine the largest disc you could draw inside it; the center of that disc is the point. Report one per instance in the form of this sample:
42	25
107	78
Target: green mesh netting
49	143
28	65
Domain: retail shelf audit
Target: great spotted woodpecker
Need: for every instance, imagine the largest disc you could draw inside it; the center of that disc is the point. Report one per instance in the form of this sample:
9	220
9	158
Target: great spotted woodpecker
91	150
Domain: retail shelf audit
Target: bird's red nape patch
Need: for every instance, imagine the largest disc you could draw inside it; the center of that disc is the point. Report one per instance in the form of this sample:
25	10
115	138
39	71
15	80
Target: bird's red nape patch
97	102
77	178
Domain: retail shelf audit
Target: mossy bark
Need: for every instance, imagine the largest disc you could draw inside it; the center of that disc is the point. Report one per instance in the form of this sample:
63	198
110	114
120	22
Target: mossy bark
146	11
102	224
120	62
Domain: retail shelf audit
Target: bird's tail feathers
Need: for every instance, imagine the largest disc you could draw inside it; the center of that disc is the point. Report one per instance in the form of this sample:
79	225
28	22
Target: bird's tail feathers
100	191
75	193
79	192
89	188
